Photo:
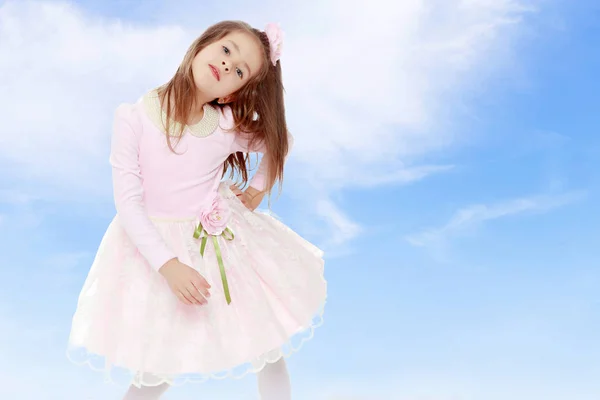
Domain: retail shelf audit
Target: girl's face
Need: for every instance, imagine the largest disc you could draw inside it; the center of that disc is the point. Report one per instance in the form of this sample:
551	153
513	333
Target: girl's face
225	66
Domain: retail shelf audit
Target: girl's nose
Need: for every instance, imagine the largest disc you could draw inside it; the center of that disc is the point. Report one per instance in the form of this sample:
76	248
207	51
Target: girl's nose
226	65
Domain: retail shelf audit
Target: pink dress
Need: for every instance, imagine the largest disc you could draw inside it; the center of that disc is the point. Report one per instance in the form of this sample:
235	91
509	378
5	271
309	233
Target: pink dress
129	323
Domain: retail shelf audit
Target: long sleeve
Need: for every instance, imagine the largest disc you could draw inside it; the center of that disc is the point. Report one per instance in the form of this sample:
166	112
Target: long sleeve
128	191
259	180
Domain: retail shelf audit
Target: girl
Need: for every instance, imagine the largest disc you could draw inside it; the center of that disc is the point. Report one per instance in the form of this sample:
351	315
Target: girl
189	283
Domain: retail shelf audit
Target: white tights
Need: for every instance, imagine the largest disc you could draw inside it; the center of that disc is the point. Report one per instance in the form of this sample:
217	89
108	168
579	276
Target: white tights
273	384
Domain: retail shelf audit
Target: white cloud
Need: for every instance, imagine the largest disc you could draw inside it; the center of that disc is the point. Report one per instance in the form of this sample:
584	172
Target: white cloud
15	197
369	88
63	73
381	79
473	216
401	175
342	227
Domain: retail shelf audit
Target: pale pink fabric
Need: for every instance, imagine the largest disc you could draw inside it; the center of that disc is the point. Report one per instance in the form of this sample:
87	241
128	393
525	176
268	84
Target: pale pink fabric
127	318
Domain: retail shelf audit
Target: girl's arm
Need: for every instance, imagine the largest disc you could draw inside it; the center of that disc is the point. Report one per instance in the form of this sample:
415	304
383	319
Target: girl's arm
254	196
128	191
257	188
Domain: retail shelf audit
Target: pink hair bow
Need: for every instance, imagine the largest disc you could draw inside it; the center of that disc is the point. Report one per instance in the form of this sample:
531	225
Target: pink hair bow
275	35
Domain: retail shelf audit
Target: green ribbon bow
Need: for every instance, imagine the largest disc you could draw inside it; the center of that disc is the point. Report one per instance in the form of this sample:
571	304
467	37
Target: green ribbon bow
200	232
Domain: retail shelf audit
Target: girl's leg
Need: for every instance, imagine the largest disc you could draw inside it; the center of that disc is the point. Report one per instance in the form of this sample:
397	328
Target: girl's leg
274	382
145	392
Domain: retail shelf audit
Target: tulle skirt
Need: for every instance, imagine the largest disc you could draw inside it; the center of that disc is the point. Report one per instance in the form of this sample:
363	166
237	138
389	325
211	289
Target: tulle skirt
129	324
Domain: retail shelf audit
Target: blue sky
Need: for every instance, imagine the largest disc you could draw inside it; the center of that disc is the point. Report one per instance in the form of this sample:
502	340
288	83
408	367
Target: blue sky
453	187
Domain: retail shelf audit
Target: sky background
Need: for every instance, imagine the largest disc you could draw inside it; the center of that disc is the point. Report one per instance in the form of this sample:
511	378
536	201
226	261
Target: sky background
446	160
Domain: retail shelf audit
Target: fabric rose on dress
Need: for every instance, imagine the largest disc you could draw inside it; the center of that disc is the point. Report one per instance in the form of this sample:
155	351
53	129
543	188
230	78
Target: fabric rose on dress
215	219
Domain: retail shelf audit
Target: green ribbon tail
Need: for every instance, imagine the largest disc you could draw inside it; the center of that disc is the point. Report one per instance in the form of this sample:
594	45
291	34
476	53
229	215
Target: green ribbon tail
203	243
222	269
200	233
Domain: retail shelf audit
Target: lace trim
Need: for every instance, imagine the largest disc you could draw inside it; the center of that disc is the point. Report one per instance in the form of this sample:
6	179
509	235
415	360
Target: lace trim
137	378
205	127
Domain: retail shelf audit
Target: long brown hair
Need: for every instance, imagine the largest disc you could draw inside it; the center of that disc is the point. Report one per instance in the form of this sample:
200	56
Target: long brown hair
258	107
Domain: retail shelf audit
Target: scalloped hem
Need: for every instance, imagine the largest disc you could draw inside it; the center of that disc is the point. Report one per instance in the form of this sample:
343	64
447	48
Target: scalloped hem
145	378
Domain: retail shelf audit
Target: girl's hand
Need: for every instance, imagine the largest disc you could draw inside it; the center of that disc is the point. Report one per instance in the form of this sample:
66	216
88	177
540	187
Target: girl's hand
245	198
185	282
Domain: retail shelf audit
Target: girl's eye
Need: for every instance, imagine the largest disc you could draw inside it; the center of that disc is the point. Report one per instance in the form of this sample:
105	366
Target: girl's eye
239	71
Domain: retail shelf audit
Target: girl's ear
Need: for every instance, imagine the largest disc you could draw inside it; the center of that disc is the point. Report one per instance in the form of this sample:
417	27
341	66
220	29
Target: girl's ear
225	100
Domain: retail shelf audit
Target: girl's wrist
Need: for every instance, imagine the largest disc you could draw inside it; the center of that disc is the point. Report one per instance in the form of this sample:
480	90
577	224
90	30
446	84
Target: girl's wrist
254	196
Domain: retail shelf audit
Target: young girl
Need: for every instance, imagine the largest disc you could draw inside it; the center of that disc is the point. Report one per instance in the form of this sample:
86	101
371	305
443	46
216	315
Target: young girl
189	282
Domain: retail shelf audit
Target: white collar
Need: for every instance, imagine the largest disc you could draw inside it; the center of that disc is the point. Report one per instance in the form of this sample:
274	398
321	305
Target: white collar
205	127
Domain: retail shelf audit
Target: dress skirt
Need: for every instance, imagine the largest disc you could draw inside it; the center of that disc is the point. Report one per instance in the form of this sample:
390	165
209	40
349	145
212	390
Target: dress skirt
128	322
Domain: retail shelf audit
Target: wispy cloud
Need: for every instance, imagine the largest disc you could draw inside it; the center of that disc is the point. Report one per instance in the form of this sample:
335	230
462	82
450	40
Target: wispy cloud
61	109
15	197
382	91
342	227
399	176
474	215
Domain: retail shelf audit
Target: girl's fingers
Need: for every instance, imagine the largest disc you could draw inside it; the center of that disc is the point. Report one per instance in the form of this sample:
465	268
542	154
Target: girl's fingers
183	298
202	288
195	295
